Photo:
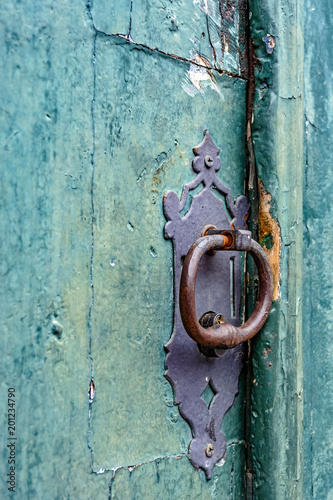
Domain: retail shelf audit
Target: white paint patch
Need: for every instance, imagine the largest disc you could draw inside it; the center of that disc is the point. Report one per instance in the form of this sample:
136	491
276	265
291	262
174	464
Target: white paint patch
91	391
221	462
199	78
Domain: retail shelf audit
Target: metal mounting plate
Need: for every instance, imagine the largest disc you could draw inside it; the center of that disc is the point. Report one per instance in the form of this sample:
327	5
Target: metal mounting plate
218	289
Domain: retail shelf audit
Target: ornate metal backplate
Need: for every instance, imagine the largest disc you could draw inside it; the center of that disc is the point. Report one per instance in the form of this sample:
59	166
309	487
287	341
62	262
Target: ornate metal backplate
192	374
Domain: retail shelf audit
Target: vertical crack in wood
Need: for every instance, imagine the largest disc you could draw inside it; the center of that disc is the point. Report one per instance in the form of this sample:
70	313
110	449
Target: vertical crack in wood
92	163
251	192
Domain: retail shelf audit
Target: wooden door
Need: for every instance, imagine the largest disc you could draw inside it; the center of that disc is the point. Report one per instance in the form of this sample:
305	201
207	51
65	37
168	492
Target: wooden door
102	103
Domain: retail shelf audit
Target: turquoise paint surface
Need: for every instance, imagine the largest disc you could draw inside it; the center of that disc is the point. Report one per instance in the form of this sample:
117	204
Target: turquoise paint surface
46	142
277	133
93	132
190	30
173	477
318	281
143	148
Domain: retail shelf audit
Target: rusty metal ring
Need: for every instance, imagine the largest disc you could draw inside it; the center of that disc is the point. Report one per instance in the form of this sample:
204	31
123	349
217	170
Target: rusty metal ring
223	336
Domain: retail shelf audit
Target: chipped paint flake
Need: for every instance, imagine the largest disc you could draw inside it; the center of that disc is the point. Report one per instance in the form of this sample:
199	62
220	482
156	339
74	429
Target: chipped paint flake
270	237
223	31
91	391
270	43
199	78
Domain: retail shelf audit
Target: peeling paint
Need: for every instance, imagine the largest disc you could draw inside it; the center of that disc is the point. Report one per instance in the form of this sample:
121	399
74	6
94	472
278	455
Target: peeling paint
266	351
57	329
91	391
270	43
223	31
152	58
199	78
71	256
270	237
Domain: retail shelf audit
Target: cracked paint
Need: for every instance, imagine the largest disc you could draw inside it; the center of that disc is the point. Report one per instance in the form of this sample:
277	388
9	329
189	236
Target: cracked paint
276	436
52	369
199	78
223	30
127	480
91	392
109	426
223	36
74	228
215	29
270	237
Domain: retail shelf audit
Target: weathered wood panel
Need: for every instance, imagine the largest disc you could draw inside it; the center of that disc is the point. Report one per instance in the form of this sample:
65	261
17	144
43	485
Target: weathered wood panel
145	127
94	130
277	133
318	230
46	143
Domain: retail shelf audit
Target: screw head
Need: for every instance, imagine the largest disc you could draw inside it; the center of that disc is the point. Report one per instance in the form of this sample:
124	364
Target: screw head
209	450
209	162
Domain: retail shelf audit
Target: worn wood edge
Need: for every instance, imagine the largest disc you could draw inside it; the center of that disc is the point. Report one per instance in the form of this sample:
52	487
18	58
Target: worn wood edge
277	133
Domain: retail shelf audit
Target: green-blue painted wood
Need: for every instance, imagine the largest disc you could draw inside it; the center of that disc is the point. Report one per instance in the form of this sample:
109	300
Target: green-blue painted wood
143	148
318	281
94	130
277	132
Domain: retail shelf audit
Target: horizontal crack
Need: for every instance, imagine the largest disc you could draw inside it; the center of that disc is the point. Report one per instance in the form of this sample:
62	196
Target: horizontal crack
233	443
131	467
130	40
173	56
290	98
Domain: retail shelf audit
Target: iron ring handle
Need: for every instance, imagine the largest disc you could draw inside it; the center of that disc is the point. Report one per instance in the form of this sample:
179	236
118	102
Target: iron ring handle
224	336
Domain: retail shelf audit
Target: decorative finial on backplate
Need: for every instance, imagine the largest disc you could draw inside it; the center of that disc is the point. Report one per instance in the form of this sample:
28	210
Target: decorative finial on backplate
205	163
206	159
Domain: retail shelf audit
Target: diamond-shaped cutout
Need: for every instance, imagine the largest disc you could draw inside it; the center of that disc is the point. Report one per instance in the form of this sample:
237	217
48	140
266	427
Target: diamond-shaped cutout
208	394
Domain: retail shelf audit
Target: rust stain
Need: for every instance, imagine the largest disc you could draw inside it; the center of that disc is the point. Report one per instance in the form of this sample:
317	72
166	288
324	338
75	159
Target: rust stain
159	172
270	237
227	9
157	175
243	40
